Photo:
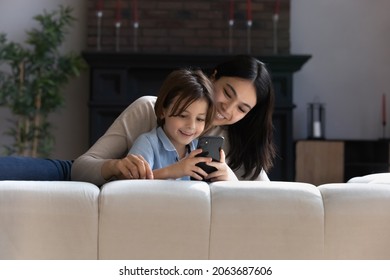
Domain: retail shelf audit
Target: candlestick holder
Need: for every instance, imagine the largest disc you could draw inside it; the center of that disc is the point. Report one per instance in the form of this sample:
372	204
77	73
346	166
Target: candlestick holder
117	35
99	15
316	120
275	20
384	130
135	36
231	24
248	36
384	117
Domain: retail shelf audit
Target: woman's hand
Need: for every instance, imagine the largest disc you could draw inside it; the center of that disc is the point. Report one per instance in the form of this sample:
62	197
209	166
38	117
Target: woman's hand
129	167
184	167
224	173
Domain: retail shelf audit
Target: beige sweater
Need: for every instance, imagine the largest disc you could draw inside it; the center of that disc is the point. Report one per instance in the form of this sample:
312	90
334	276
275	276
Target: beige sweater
137	118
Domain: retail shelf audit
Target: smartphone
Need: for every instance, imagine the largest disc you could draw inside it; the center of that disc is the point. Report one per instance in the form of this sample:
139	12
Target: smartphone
211	146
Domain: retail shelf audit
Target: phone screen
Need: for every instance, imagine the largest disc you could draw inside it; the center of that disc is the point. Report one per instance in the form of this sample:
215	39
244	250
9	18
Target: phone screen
211	146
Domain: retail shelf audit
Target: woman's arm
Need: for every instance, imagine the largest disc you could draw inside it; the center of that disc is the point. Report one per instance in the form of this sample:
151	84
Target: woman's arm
100	163
223	173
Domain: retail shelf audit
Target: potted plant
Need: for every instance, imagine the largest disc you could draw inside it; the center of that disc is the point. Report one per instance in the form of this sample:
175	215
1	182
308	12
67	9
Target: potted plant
32	80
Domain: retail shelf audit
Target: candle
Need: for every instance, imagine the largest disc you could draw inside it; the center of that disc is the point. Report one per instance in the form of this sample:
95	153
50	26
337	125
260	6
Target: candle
277	7
231	11
384	109
99	14
249	10
100	5
231	23
118	11
275	19
135	11
317	129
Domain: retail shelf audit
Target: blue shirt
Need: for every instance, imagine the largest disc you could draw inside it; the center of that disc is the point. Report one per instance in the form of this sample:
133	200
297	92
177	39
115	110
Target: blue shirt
157	149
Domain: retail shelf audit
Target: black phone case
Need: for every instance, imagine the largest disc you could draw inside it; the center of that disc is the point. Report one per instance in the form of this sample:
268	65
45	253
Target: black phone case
211	146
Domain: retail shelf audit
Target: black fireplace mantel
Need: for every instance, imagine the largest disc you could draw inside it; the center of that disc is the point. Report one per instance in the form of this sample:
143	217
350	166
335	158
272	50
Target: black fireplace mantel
279	63
118	78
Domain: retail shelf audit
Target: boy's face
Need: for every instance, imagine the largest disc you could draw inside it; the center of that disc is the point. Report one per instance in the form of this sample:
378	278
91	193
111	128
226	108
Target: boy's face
187	126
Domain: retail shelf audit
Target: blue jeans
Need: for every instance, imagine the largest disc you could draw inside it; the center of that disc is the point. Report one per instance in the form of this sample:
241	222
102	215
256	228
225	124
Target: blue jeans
29	168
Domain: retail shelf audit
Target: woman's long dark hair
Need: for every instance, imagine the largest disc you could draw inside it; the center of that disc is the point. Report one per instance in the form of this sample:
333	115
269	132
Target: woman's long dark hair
251	138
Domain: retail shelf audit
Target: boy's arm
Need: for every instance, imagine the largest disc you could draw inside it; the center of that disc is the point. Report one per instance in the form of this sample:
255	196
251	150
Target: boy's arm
168	172
184	167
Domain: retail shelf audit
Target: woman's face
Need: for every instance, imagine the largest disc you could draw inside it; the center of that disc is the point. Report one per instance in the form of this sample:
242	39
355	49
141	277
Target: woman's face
234	98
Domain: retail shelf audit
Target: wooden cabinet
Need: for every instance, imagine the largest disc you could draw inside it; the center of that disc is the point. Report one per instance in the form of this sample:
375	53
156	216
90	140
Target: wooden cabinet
318	162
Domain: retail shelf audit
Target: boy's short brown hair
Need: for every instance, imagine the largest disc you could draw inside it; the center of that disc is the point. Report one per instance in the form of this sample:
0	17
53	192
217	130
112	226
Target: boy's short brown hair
188	85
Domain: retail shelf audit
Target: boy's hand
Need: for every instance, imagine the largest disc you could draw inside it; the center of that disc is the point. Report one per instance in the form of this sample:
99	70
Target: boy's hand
184	167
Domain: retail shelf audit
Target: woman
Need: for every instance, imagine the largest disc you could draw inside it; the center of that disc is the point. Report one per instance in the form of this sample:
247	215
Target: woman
244	100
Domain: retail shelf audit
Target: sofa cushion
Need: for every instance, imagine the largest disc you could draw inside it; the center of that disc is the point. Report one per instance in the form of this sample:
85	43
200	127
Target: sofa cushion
154	219
48	220
376	178
357	220
266	220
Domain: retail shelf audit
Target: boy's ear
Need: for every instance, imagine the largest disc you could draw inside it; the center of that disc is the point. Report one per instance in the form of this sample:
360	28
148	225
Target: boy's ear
162	115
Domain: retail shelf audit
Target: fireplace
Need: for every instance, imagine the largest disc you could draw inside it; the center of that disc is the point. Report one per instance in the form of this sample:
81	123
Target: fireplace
118	78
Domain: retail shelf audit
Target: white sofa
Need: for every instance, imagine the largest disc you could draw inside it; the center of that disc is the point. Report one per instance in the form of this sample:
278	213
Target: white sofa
144	219
376	178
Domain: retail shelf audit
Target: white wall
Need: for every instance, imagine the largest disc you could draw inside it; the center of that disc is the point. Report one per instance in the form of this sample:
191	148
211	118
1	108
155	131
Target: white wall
71	122
349	71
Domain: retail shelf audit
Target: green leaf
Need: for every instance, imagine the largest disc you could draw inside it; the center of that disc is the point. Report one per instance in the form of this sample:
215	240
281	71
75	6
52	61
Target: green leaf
36	73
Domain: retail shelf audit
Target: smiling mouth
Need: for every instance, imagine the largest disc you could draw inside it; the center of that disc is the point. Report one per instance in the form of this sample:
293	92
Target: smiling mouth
187	134
219	116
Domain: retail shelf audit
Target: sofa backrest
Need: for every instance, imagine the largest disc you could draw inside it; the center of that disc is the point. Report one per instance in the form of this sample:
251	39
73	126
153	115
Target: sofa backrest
375	178
356	220
48	220
163	219
159	219
266	220
224	220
